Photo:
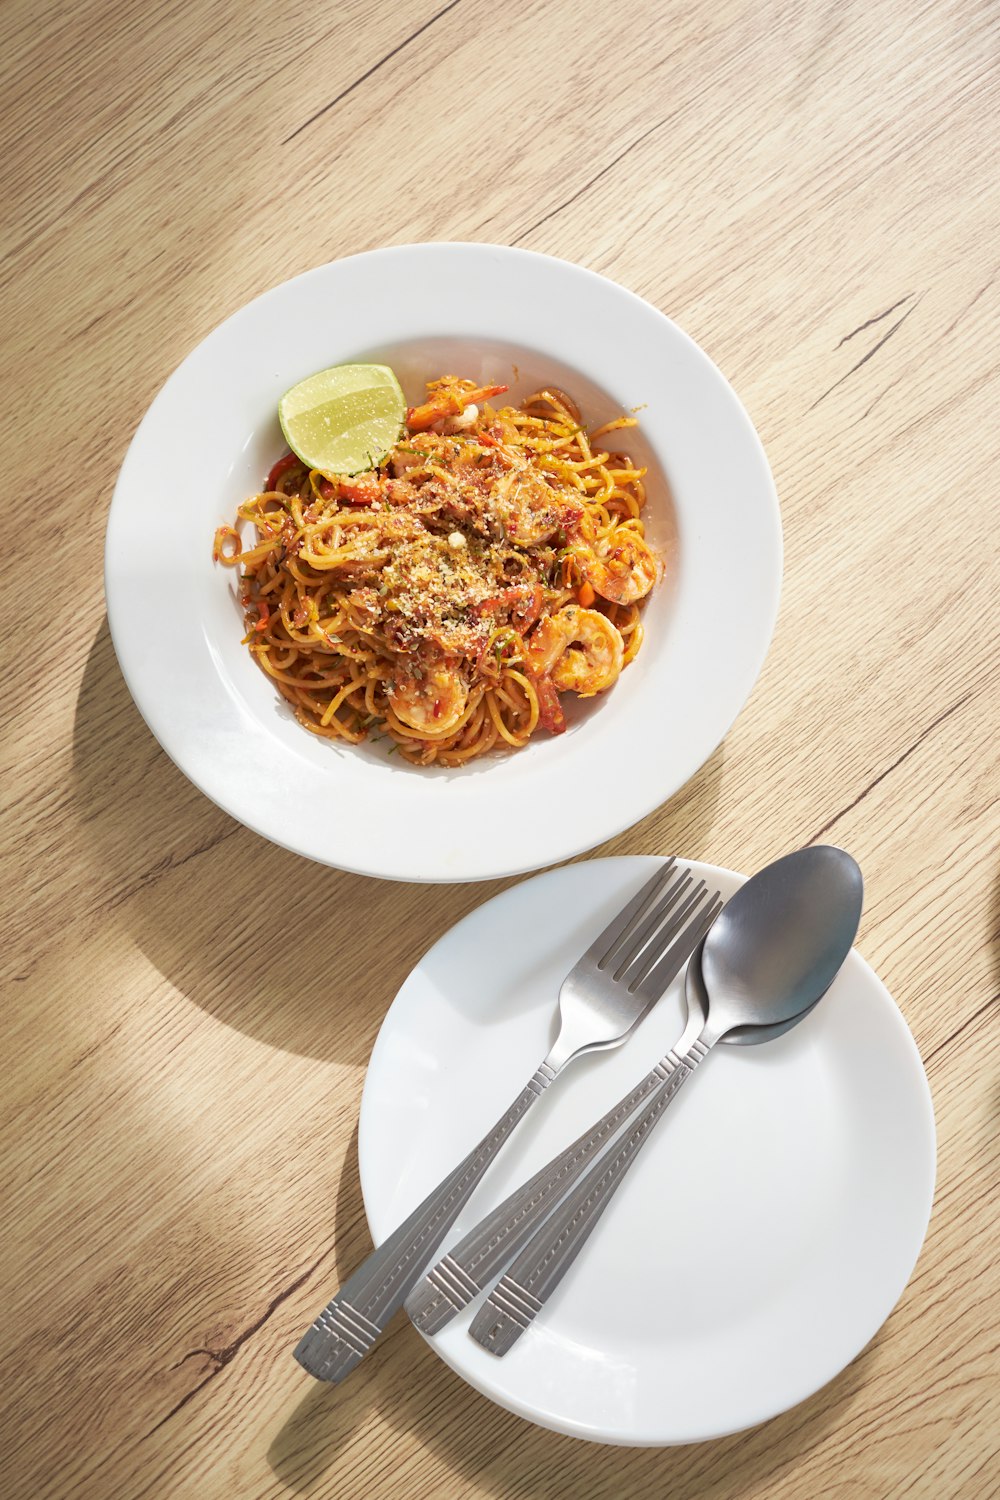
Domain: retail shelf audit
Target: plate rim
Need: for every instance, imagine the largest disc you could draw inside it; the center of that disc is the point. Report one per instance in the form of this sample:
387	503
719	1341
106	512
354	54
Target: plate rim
568	1427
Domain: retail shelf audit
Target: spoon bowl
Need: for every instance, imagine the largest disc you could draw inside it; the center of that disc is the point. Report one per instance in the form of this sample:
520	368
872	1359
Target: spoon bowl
696	1000
778	944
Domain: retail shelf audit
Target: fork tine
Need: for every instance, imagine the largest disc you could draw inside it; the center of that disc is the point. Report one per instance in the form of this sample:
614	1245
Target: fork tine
651	912
651	956
658	936
606	940
649	931
680	950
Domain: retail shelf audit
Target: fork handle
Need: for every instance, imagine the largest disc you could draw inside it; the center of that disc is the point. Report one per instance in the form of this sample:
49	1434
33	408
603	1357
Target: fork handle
472	1264
469	1266
348	1326
522	1292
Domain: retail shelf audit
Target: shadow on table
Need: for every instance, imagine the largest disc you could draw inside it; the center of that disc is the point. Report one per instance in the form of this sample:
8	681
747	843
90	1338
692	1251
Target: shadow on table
181	876
995	926
185	880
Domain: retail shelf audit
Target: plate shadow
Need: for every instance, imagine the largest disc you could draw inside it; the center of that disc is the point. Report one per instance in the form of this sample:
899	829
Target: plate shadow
267	942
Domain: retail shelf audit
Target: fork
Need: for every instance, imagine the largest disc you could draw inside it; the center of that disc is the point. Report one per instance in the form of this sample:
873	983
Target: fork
602	999
477	1259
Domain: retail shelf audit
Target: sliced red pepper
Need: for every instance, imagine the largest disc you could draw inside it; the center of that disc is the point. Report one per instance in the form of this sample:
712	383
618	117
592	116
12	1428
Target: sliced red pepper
281	467
364	490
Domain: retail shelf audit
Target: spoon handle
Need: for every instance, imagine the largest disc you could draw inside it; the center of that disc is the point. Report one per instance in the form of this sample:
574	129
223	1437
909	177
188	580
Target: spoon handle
472	1264
522	1292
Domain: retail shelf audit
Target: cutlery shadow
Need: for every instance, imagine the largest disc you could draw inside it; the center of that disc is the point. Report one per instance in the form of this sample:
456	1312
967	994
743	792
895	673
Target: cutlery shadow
404	1385
184	880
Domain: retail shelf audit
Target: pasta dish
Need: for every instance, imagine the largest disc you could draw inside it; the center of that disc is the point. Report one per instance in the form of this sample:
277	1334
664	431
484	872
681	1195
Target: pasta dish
493	561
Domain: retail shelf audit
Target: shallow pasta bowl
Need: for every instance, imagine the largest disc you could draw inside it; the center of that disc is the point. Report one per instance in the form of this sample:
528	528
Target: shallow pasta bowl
492	314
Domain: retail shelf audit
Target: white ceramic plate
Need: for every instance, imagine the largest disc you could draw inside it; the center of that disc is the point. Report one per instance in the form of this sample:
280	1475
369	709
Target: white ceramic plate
479	310
759	1242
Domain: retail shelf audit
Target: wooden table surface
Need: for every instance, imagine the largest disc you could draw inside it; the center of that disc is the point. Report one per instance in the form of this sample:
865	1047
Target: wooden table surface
810	190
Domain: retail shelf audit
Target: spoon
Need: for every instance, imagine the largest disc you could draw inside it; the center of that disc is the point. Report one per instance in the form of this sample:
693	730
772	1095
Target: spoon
770	955
778	944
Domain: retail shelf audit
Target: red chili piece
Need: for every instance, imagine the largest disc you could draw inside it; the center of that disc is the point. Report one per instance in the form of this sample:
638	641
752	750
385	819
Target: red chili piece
281	467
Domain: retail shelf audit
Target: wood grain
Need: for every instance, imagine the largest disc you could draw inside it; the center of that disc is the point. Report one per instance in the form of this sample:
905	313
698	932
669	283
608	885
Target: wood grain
810	191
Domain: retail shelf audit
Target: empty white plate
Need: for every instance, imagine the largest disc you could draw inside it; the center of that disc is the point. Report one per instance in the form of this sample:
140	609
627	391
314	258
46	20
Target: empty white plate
763	1236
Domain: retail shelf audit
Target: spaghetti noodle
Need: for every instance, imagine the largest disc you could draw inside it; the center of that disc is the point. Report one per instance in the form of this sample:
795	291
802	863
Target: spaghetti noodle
494	560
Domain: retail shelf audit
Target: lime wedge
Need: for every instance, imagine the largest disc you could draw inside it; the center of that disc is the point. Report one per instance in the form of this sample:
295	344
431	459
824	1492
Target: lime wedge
345	419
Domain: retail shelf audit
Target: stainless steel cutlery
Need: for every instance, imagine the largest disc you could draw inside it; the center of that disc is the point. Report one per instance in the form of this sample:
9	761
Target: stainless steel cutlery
765	963
601	1001
758	968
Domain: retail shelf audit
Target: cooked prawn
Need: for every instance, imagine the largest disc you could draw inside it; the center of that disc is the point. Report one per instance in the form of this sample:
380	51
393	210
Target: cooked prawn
546	644
412	455
449	401
625	572
433	704
532	509
550	710
579	649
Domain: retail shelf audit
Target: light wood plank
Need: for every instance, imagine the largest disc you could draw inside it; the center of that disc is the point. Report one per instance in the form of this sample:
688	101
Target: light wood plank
811	193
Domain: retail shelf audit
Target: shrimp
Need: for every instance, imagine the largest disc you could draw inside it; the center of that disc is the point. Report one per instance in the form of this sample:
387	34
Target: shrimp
579	649
624	573
531	509
546	644
412	455
449	401
433	704
550	711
